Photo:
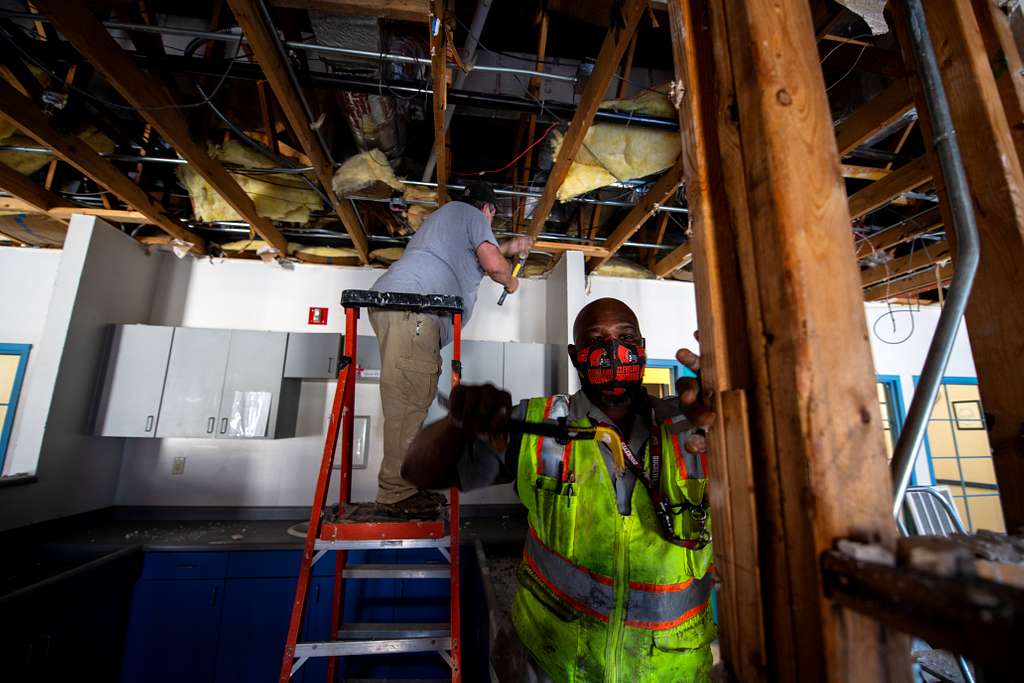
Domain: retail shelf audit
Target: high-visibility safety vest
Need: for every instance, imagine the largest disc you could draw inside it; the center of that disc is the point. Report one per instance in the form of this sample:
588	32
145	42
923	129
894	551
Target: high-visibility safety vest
604	596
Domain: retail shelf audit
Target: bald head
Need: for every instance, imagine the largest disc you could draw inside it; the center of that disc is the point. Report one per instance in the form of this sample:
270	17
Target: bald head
605	318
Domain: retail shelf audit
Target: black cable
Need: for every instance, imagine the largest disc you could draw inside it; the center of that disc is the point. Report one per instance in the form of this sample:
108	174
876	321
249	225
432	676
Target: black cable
892	315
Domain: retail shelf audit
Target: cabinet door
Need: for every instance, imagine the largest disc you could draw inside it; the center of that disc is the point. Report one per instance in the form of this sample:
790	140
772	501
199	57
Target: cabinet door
134	381
253	629
312	356
252	385
173	632
195	377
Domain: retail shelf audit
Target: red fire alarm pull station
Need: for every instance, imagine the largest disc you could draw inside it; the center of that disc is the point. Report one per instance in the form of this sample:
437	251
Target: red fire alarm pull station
317	316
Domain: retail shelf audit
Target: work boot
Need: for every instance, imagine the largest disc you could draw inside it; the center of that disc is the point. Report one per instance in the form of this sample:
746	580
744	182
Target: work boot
420	505
441	499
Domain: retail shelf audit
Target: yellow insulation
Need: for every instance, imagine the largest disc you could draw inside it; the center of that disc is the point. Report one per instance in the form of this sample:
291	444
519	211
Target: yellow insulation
613	152
364	170
27	163
620	267
277	196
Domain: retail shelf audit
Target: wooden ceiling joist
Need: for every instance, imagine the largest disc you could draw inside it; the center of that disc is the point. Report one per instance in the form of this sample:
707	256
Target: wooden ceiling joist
28	191
922	257
660	191
78	25
924	281
676	259
901	232
876	115
265	50
24	114
399	10
439	76
881	192
615	43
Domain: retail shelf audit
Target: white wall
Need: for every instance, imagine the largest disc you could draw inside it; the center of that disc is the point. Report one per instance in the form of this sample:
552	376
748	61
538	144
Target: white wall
104	277
254	295
27	279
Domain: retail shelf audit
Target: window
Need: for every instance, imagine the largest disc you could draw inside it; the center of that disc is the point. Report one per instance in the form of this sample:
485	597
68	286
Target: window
13	358
890	400
960	456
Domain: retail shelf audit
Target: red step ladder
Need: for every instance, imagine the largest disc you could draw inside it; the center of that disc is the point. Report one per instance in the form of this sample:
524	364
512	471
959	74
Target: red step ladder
344	531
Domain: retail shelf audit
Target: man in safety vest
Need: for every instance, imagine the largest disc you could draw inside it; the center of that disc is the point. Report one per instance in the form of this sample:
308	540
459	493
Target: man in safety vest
615	582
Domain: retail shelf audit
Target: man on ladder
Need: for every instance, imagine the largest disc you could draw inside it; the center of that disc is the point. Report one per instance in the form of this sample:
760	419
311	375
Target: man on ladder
615	580
449	255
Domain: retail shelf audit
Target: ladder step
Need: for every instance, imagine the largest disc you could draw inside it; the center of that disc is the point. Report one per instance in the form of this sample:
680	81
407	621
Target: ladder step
382	543
398	571
380	630
333	531
349	648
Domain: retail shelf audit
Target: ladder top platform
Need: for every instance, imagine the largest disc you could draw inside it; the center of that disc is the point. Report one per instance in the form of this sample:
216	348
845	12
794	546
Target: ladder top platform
401	301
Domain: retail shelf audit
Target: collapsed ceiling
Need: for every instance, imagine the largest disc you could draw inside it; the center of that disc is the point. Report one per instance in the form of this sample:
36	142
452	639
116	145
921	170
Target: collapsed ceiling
208	144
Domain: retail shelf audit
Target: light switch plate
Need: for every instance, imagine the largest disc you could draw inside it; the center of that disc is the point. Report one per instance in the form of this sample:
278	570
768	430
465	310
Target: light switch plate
179	466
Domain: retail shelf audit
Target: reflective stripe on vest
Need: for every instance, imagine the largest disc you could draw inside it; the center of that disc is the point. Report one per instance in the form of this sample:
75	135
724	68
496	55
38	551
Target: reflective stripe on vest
650	606
690	465
550	453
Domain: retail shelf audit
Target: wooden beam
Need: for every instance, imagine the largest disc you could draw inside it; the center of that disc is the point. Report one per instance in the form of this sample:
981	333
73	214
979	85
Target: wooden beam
439	77
627	68
903	231
141	90
399	10
118	215
990	159
674	260
531	128
716	195
1007	65
29	191
24	114
864	172
660	191
652	254
557	247
925	281
615	44
820	473
881	111
881	192
922	257
248	15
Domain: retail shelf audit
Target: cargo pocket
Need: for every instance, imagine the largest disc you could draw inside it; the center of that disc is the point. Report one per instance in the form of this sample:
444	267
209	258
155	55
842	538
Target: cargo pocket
554	517
549	629
693	634
418	380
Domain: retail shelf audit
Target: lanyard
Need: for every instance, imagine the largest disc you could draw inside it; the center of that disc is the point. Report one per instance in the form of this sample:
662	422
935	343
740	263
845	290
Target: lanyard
652	482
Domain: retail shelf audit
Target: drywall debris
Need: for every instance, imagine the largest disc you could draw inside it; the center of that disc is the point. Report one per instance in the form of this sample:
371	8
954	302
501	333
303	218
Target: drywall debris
614	152
277	196
871	11
363	171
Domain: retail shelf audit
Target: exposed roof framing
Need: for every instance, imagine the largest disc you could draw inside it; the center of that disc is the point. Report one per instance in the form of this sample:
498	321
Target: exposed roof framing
24	114
615	43
266	52
923	281
404	10
439	74
30	192
664	188
924	257
881	192
876	115
143	92
904	231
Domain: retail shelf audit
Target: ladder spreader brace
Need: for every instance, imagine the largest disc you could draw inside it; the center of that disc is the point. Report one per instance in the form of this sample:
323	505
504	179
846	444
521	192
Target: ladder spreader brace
342	533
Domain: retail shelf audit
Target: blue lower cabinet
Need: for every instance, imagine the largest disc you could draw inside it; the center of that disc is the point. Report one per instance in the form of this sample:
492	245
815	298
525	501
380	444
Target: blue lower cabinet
173	631
253	628
316	626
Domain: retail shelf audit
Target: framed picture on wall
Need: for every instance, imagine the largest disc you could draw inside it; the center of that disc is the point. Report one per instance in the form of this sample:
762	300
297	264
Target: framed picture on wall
968	415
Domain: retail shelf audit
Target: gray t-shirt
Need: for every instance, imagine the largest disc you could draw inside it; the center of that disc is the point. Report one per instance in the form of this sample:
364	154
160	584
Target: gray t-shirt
441	259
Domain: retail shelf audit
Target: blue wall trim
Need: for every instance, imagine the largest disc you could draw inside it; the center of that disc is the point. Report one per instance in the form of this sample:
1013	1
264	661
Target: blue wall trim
21	350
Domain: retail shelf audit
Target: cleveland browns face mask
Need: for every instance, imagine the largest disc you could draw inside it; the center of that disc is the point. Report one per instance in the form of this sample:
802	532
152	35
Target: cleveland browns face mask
613	368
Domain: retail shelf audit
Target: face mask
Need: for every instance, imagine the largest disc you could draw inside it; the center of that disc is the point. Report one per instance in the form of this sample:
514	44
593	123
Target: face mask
613	368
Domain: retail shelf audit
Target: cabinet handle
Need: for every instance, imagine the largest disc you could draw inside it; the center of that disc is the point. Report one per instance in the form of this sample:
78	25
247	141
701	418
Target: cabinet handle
149	423
213	600
330	365
223	425
209	425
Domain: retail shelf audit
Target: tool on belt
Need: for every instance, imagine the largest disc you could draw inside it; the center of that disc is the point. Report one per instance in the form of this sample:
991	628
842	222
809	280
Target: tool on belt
515	272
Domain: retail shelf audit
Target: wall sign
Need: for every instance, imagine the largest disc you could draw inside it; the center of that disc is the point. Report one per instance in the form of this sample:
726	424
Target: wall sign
317	316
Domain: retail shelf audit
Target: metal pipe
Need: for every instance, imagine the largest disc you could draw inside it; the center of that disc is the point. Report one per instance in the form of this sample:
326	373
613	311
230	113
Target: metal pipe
295	45
967	255
476	27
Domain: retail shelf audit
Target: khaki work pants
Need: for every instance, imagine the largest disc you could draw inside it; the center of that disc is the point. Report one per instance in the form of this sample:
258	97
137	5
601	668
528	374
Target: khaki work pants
410	363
